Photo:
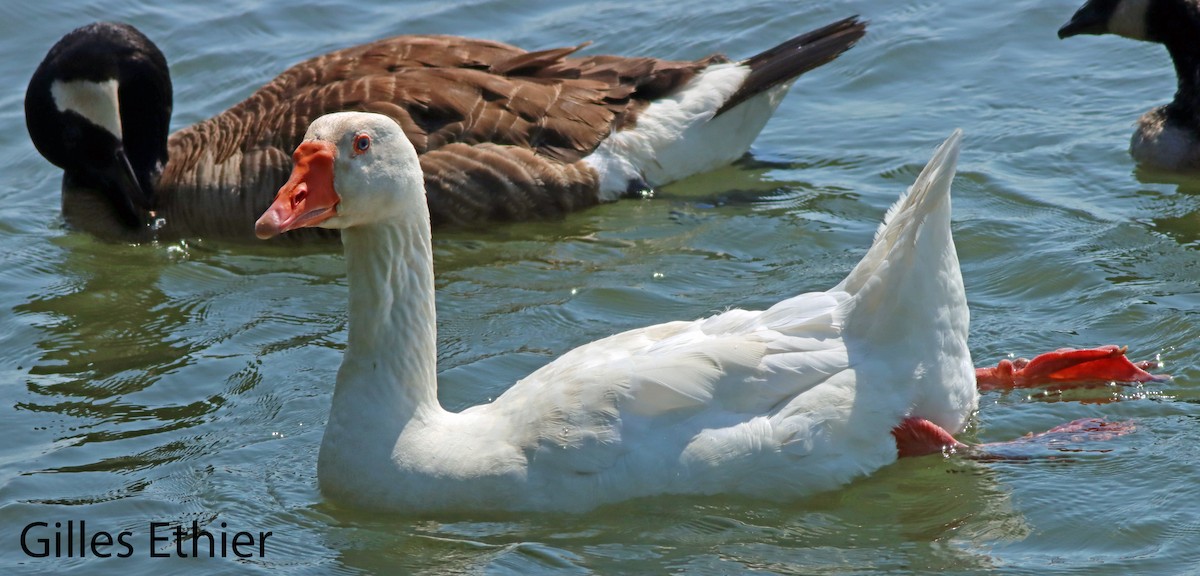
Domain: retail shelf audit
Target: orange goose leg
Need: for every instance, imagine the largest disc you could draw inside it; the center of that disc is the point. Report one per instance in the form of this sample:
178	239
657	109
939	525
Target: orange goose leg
1067	368
920	437
1063	368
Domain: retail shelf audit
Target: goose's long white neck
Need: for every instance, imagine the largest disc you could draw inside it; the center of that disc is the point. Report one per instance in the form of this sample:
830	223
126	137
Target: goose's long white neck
390	363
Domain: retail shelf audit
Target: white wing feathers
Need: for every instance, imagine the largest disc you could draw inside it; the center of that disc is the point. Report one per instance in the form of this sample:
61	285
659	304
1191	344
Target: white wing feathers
744	396
731	370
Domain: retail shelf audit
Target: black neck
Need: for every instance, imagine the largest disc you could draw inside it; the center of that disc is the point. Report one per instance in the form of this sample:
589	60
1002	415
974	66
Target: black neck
1177	26
146	103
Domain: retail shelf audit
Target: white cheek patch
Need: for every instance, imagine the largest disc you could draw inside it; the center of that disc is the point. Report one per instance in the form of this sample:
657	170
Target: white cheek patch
1129	19
95	101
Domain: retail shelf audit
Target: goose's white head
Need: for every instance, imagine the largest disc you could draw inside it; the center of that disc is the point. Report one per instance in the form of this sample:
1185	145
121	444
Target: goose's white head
353	168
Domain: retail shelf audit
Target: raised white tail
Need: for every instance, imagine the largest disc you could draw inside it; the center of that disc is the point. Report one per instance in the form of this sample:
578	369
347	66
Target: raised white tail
913	244
909	283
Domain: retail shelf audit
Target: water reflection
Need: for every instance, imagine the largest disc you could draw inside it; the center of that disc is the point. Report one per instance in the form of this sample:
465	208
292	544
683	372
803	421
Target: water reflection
108	333
1178	212
921	515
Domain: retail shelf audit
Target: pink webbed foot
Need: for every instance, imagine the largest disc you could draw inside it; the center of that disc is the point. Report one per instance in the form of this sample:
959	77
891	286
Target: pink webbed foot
1063	438
1066	367
919	437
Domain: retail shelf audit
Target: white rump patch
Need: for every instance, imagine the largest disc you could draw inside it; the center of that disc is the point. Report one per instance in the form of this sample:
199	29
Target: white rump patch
95	101
1129	19
674	138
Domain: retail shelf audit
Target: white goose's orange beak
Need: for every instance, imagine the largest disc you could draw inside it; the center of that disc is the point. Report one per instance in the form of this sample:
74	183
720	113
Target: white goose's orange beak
308	198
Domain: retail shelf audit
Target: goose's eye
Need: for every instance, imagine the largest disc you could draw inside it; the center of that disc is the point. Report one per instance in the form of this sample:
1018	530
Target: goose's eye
362	143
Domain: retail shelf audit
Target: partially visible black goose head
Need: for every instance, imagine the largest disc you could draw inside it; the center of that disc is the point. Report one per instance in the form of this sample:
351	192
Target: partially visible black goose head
1162	21
1094	17
99	107
1167	137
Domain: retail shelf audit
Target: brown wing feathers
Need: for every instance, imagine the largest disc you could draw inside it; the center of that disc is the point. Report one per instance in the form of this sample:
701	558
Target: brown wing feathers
479	103
471	183
500	130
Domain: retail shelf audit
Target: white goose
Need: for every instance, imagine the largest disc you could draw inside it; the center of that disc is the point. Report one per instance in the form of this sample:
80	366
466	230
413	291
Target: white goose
799	398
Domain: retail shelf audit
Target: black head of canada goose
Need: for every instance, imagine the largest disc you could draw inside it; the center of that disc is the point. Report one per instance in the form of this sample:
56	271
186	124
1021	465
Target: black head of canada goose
503	134
1167	137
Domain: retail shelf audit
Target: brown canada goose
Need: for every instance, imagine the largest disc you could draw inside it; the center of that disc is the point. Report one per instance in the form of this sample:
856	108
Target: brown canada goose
503	134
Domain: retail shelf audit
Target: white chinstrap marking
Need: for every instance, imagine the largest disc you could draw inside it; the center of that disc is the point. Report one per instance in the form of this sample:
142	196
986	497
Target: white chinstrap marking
1129	19
95	101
